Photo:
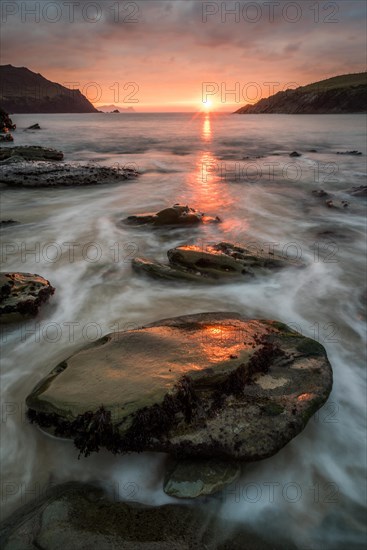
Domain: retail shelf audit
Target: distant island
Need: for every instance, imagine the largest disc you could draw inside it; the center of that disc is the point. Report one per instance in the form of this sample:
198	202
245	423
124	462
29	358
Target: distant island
115	109
338	95
23	91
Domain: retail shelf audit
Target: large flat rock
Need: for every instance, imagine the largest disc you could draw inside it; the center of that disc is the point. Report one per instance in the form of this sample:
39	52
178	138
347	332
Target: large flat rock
218	263
51	174
210	384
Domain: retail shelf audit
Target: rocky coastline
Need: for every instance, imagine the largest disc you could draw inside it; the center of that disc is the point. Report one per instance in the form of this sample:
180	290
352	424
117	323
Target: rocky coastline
255	385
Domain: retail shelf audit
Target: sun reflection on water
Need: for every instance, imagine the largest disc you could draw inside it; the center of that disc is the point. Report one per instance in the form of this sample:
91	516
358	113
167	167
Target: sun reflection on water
207	129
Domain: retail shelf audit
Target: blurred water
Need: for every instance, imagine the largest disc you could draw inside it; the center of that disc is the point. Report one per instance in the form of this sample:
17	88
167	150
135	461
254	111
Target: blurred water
314	488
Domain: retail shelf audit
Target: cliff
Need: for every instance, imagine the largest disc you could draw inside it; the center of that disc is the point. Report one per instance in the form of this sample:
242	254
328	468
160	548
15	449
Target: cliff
23	91
338	95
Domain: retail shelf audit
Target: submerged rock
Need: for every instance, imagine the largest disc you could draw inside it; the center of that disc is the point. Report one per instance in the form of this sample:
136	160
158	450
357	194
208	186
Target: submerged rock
191	478
45	174
210	384
34	127
30	153
21	295
353	153
222	262
320	193
75	516
176	215
5	223
359	191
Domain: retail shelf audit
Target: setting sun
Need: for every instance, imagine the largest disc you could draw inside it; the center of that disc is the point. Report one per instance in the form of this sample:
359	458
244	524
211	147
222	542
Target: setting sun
207	104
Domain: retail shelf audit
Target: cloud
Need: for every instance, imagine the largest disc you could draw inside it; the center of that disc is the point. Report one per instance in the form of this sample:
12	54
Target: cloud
204	45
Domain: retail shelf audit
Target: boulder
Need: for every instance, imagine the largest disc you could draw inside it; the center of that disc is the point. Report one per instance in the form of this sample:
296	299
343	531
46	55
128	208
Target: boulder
21	295
46	174
176	215
222	262
30	153
193	477
214	385
295	154
75	516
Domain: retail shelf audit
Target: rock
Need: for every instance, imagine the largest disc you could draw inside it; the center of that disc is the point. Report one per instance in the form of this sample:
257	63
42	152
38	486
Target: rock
335	200
172	386
191	478
312	151
44	174
5	122
31	153
295	154
21	295
360	191
330	233
4	223
353	153
176	215
34	127
320	193
222	262
6	137
74	516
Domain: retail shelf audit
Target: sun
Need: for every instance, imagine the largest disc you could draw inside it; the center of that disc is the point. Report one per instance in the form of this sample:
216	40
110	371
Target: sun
207	104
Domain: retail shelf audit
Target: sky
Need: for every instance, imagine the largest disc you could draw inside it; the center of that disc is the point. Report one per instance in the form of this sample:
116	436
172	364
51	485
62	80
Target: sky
184	55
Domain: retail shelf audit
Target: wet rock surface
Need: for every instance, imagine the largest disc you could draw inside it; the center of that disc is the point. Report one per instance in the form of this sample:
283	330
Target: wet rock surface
30	153
358	191
210	385
176	215
75	516
222	262
342	200
21	295
192	478
45	174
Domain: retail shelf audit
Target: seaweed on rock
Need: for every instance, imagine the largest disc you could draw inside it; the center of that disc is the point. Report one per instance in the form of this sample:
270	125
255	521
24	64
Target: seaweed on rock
93	430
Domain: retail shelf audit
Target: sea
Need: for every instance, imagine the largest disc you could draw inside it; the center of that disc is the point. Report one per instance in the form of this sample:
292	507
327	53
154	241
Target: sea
237	167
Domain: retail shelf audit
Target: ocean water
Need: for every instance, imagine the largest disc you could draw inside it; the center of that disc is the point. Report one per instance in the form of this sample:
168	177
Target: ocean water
313	491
